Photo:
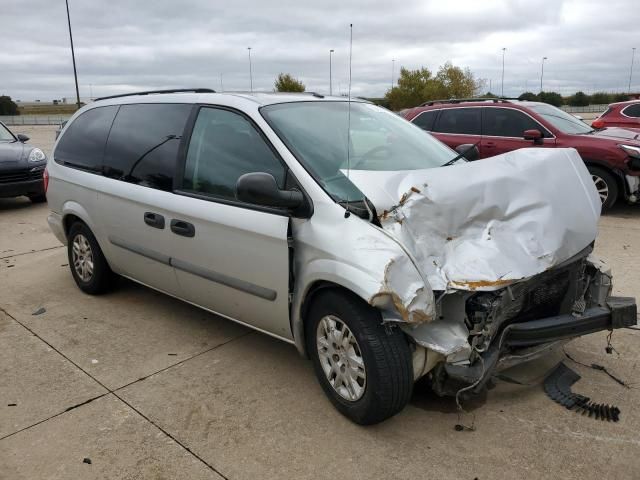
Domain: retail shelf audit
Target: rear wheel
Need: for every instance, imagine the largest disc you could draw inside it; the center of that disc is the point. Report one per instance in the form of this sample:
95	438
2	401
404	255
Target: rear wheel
364	367
86	261
606	185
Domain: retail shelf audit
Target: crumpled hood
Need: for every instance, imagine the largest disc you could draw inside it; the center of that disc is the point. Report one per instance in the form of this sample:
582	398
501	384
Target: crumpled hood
485	224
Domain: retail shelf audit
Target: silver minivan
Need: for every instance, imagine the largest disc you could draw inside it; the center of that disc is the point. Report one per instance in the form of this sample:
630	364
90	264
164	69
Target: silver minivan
337	226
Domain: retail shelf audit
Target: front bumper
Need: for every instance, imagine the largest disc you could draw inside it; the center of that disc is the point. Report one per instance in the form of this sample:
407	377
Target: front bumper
619	312
27	187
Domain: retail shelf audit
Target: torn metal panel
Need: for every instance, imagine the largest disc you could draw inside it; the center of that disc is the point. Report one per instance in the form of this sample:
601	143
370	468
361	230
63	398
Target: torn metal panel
484	225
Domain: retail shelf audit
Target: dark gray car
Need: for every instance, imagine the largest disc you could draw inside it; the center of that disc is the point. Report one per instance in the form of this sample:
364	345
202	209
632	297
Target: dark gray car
21	167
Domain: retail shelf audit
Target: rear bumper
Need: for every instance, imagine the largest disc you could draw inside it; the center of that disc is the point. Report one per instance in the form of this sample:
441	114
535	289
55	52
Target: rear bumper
27	187
620	312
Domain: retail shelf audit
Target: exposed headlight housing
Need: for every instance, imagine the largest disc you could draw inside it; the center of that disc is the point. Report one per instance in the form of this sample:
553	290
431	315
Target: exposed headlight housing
633	152
37	155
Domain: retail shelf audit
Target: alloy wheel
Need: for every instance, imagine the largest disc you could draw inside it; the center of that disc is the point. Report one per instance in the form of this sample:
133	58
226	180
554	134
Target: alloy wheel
341	358
82	257
602	187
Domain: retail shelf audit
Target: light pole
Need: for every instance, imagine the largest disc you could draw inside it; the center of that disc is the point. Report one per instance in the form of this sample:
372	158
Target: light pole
633	55
221	85
73	56
542	73
502	86
330	82
250	70
393	67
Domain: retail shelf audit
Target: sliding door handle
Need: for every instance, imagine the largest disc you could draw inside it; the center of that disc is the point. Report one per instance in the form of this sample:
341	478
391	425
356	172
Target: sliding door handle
154	220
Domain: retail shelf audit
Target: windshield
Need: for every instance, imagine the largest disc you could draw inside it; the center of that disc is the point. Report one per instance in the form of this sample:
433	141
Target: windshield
317	134
560	119
5	134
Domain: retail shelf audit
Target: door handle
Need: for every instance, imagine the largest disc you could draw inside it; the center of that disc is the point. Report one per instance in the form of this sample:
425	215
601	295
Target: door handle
490	144
180	227
154	220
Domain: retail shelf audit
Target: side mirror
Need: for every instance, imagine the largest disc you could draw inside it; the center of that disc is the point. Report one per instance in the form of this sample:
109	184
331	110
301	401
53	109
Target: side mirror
533	134
261	188
469	151
22	137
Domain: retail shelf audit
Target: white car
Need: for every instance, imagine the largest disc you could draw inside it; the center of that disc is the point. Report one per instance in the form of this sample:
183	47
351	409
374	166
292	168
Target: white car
339	227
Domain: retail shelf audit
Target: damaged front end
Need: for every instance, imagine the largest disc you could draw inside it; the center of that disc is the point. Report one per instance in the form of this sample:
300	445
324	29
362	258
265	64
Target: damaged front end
505	258
520	322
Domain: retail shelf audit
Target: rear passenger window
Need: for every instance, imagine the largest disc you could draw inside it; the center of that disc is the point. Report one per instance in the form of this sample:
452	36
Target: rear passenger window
425	119
224	146
459	120
505	122
82	144
632	110
143	144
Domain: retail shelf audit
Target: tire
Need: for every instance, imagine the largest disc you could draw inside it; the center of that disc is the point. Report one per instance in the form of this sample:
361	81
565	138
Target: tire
607	186
387	383
38	198
89	268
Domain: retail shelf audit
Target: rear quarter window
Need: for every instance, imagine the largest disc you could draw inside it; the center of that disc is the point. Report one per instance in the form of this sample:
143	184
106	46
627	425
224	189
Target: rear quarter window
632	110
143	144
425	120
83	142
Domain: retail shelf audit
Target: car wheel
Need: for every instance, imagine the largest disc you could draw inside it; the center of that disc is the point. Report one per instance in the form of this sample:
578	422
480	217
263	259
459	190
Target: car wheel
364	367
88	266
606	185
38	198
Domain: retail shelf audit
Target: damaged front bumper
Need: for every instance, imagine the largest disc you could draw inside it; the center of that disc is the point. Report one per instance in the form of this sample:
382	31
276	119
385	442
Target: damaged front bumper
523	341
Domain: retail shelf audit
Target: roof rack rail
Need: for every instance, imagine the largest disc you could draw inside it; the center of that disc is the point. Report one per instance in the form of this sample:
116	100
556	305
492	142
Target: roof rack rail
151	92
462	100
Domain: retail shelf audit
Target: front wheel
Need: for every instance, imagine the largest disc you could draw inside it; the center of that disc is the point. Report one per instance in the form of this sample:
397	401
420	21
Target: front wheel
606	185
363	367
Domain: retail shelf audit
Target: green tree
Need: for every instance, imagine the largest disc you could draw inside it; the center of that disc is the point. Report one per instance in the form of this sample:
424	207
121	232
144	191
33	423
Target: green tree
620	97
8	106
552	98
418	86
600	98
529	97
286	83
579	99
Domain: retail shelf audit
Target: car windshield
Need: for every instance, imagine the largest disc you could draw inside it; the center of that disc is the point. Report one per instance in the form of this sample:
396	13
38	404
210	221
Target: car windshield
318	133
560	119
5	134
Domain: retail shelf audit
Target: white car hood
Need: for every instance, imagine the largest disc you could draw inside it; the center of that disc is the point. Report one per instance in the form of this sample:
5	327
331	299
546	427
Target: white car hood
483	225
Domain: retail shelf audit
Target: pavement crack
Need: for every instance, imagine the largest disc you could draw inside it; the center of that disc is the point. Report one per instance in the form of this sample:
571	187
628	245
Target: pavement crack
32	251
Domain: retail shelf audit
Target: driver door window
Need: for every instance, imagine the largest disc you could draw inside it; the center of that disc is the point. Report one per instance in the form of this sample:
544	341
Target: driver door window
224	146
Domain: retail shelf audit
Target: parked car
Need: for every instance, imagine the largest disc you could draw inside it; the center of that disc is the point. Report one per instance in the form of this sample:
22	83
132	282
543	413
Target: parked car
339	227
612	155
622	114
21	167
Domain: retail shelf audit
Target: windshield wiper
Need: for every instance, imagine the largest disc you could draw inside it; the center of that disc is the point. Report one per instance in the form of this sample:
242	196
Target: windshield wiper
460	155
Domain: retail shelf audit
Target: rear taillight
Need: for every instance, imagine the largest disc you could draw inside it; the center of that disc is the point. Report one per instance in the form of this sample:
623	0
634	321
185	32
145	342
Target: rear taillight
597	123
45	178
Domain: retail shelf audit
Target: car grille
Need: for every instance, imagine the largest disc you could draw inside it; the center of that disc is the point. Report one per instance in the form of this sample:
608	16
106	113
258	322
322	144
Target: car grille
20	176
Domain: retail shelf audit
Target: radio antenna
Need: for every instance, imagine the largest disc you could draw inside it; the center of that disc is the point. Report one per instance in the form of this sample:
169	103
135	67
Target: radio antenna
347	213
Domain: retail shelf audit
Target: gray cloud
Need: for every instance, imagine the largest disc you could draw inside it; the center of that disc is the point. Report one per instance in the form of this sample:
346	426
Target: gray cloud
124	45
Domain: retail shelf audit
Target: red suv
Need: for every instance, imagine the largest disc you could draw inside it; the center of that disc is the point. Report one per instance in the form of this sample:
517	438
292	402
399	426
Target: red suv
623	114
501	125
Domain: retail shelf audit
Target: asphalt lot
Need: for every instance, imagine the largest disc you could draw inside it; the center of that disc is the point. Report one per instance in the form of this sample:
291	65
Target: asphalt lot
146	386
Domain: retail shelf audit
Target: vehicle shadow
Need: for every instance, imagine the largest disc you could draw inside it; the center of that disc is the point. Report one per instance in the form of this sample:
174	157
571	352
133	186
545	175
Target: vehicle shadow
15	203
623	210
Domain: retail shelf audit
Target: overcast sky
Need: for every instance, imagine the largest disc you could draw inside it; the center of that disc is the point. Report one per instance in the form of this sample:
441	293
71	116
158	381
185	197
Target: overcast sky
125	45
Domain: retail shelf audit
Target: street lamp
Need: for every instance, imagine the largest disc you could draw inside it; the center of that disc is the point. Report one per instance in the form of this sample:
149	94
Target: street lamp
502	86
73	56
250	70
633	54
330	83
393	67
542	73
